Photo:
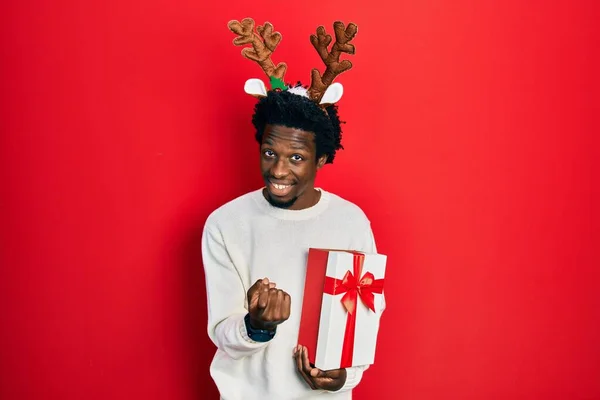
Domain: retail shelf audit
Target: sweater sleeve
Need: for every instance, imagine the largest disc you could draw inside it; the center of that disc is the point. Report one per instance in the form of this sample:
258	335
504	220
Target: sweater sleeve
226	298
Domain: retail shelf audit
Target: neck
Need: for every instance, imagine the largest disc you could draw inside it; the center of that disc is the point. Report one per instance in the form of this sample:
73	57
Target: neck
306	200
293	215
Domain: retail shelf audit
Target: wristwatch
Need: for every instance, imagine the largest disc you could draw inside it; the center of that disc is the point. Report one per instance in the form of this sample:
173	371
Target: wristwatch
258	335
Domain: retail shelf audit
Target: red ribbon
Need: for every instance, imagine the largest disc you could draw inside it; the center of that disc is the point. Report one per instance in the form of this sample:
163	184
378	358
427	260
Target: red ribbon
353	288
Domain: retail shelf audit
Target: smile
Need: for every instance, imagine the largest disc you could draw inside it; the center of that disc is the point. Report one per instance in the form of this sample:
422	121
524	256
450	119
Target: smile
280	190
280	187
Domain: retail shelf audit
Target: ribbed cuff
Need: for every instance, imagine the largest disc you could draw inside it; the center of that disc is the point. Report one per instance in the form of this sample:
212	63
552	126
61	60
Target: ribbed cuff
353	377
244	332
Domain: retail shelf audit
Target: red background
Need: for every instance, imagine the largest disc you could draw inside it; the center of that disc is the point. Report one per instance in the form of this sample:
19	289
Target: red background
469	144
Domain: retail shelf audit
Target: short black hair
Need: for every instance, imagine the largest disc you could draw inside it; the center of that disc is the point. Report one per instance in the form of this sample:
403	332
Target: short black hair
296	111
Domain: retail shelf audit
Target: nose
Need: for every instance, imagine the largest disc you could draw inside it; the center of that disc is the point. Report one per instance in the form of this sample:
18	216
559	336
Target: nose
279	169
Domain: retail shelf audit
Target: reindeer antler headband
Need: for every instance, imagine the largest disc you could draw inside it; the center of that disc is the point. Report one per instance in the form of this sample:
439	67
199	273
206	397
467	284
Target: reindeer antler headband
322	90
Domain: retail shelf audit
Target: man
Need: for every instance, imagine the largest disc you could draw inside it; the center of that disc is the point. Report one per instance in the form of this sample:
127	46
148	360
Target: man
255	251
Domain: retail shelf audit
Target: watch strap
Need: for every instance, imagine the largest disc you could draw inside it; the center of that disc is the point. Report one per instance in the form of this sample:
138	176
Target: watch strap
258	335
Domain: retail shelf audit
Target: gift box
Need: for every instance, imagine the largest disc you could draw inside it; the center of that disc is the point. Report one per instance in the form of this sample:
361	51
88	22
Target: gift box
342	306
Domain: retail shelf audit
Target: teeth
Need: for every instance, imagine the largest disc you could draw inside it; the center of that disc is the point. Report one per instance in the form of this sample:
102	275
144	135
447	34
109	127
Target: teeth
280	187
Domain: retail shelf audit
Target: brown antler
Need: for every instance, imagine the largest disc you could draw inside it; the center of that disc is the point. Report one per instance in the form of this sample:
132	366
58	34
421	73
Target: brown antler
261	48
331	59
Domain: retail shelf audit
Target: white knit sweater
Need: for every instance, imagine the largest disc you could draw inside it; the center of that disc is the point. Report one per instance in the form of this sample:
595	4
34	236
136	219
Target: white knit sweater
248	239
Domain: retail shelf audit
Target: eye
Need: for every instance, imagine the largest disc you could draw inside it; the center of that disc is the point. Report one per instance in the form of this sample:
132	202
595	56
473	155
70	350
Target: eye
269	153
297	158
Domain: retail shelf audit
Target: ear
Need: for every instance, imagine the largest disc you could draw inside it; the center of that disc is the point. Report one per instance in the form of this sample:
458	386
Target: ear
255	87
322	160
333	94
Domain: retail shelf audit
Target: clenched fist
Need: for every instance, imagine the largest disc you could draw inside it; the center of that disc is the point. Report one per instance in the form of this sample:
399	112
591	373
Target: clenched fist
267	305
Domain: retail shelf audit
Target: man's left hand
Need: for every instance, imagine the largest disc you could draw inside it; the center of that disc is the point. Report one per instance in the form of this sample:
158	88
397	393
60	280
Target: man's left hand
331	380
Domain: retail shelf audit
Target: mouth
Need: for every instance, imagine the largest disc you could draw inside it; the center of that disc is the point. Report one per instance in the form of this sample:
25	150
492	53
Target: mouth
279	189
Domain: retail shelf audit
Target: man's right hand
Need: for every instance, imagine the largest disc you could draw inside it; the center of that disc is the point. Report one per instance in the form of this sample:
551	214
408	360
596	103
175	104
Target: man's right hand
267	305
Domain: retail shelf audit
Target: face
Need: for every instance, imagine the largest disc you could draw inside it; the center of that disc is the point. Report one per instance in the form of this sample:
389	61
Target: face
289	166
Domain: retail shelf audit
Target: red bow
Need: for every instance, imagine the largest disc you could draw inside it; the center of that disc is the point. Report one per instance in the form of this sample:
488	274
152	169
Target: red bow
353	289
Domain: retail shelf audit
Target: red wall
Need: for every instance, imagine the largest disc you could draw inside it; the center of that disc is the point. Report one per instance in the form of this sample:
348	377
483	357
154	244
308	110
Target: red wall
469	144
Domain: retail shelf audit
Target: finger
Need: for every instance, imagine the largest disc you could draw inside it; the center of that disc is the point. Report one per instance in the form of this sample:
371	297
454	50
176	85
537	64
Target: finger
257	285
332	379
298	358
273	303
283	306
299	366
314	374
287	306
333	373
263	298
280	309
272	285
306	363
260	283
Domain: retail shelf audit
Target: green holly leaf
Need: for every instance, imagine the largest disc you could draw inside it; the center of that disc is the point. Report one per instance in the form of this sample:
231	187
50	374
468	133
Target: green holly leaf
277	83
